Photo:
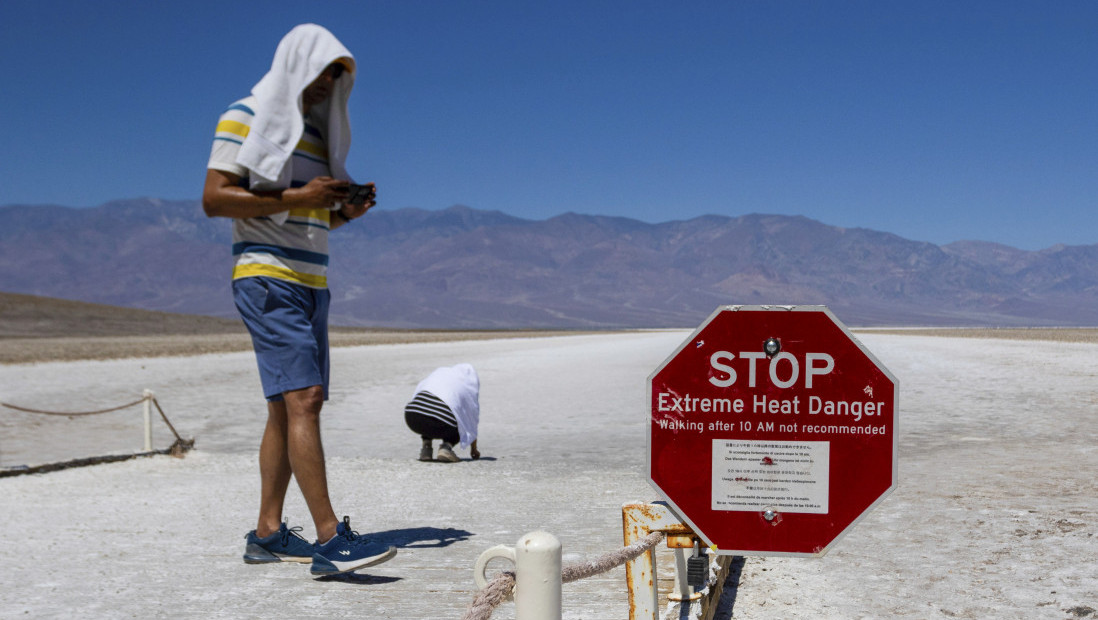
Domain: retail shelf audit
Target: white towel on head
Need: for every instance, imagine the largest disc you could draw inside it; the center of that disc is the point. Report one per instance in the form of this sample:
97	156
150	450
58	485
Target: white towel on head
300	58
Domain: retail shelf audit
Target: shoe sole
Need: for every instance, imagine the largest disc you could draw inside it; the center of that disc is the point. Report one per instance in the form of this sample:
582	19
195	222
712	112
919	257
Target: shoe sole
276	559
255	554
367	562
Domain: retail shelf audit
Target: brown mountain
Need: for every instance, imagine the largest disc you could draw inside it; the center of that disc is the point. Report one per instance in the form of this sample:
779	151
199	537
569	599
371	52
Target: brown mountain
463	268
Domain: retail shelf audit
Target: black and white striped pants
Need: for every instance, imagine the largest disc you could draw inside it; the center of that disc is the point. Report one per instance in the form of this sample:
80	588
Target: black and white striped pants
430	418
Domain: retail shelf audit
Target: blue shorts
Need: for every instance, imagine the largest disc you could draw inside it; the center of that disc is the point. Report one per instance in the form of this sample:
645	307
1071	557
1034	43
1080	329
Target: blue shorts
289	327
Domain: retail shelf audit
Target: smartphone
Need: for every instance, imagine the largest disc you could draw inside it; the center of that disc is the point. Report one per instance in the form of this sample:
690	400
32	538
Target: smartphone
359	194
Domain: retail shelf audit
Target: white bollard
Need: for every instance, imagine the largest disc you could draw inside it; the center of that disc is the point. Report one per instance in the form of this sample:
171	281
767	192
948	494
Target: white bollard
148	421
537	560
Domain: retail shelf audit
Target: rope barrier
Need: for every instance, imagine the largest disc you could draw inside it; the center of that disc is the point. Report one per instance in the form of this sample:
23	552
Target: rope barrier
177	449
575	572
165	418
500	588
73	414
486	601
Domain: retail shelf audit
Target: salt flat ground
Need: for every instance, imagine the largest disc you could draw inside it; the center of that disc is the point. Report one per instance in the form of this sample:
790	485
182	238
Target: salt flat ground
995	515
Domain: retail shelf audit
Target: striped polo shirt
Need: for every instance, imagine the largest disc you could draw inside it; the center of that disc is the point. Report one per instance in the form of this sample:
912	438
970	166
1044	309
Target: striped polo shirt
297	250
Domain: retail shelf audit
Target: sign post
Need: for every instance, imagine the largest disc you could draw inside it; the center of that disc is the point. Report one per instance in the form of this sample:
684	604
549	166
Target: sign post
772	430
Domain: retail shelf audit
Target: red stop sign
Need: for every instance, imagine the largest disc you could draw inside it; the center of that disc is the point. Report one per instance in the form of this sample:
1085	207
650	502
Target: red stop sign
772	430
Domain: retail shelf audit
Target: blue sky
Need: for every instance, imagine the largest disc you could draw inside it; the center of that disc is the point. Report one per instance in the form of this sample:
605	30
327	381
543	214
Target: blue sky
936	121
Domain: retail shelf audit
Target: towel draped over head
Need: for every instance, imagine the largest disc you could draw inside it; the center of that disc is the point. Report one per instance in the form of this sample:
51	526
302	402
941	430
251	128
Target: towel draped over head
300	58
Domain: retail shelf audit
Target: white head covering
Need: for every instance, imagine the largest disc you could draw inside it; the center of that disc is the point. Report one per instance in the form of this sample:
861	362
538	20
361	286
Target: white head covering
301	57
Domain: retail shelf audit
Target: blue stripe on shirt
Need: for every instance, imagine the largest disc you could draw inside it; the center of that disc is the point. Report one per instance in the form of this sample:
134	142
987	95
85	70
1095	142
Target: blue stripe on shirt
303	256
310	157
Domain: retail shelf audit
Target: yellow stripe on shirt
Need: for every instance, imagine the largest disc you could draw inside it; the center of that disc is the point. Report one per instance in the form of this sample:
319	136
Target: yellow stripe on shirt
249	270
233	127
313	149
323	215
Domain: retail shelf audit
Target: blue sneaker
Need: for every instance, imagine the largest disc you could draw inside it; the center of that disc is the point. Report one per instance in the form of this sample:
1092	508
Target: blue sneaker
347	551
285	545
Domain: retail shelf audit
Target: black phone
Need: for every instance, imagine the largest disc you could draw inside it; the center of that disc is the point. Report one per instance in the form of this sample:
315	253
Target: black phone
359	194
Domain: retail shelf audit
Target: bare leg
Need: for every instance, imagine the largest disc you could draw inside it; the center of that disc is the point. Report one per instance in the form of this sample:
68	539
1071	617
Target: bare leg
306	456
274	470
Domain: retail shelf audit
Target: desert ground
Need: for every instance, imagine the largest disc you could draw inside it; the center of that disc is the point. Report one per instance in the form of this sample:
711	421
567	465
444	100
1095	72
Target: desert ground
995	513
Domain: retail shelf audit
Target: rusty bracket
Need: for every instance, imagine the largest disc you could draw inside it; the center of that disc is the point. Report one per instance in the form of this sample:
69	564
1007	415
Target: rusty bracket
638	521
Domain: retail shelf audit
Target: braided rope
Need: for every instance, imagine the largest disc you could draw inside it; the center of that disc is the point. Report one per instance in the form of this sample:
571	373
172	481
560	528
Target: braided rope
503	586
575	572
486	601
164	417
178	448
76	413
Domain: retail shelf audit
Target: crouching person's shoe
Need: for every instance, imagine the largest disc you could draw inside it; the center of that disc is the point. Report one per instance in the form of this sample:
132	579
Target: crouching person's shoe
446	453
426	452
347	551
285	545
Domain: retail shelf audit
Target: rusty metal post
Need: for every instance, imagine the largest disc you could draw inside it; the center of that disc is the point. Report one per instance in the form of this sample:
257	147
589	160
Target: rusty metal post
638	521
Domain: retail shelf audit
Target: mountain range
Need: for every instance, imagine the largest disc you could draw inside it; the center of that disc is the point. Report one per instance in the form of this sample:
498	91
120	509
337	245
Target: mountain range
466	268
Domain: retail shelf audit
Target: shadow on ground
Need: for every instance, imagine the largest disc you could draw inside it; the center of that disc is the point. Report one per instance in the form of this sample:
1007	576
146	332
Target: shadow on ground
359	579
421	537
731	589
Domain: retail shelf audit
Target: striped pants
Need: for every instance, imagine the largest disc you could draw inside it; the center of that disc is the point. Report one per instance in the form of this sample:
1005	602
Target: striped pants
430	418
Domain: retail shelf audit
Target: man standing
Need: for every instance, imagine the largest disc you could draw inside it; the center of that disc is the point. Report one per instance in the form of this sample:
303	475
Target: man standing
277	169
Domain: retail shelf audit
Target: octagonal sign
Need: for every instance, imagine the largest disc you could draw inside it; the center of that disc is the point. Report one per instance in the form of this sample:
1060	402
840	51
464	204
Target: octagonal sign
772	430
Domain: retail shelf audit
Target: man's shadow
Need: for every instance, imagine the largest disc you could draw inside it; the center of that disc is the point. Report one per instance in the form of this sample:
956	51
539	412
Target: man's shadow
421	537
359	579
407	538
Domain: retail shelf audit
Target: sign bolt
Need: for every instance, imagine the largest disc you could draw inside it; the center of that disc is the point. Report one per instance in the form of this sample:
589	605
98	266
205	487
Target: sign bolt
772	347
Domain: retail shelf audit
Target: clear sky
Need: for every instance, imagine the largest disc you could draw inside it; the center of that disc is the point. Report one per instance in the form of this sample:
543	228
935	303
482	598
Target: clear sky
934	120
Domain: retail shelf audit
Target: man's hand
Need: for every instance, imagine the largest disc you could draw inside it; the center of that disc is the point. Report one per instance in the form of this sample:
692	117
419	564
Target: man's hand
351	210
321	193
